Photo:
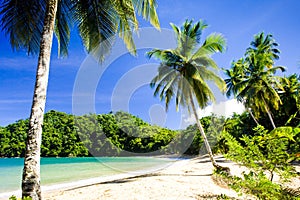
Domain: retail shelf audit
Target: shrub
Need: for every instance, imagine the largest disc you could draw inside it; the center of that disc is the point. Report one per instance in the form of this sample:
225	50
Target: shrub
265	154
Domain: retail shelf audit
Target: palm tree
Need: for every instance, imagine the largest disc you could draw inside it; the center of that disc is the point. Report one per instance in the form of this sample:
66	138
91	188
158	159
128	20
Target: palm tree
235	76
257	87
31	24
262	83
184	71
290	96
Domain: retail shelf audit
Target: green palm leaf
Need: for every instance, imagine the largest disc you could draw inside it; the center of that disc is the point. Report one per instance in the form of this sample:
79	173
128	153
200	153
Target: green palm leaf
63	23
213	43
96	23
19	17
147	8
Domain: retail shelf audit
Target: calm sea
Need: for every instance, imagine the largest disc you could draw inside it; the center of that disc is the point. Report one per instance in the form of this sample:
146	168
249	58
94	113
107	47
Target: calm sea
63	170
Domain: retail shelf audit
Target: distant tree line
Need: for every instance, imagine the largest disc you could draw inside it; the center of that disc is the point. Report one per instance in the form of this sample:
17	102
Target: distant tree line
88	135
111	134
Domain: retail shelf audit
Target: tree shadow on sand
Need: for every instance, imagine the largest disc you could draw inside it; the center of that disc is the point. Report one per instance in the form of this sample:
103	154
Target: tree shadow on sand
130	179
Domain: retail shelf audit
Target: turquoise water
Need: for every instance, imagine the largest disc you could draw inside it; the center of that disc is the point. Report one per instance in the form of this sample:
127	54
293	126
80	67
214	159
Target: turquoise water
63	170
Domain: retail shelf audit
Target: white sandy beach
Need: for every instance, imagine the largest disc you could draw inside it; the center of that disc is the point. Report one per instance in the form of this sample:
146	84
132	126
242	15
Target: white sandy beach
185	179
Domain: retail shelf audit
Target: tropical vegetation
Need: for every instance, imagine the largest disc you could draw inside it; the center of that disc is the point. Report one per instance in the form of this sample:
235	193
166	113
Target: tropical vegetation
111	134
265	138
31	25
252	80
264	149
268	156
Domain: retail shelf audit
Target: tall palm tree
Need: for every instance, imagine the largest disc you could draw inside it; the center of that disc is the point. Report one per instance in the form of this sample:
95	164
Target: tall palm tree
290	96
184	71
235	76
257	87
31	24
262	83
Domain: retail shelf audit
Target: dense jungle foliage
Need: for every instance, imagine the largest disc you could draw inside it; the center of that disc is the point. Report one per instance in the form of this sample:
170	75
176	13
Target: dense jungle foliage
119	133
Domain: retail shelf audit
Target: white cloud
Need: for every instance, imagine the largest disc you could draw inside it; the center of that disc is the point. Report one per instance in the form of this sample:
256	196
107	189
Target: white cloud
223	108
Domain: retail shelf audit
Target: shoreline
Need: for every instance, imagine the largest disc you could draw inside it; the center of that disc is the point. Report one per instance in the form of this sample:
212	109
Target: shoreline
46	189
189	179
181	179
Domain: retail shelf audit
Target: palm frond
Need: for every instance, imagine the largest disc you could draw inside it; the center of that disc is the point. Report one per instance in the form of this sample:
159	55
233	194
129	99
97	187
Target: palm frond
97	25
209	75
203	94
166	81
127	22
205	61
20	17
147	8
164	75
236	77
274	69
189	37
168	95
168	57
63	23
176	30
182	94
214	43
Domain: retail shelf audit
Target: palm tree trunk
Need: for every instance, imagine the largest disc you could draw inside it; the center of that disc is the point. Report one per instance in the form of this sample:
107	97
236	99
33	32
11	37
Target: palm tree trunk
250	112
269	113
207	146
31	172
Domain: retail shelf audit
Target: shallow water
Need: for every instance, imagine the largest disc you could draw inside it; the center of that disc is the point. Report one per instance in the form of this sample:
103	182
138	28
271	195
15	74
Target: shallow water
63	170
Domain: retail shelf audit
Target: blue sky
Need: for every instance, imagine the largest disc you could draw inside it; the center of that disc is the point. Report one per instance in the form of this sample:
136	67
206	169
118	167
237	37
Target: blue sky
237	20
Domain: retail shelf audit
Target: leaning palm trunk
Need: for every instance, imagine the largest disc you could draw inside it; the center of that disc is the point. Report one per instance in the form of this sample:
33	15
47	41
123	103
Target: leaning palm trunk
31	172
207	146
269	113
251	114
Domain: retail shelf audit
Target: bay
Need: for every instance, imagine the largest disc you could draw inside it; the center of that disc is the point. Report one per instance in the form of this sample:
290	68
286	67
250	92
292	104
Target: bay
64	170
